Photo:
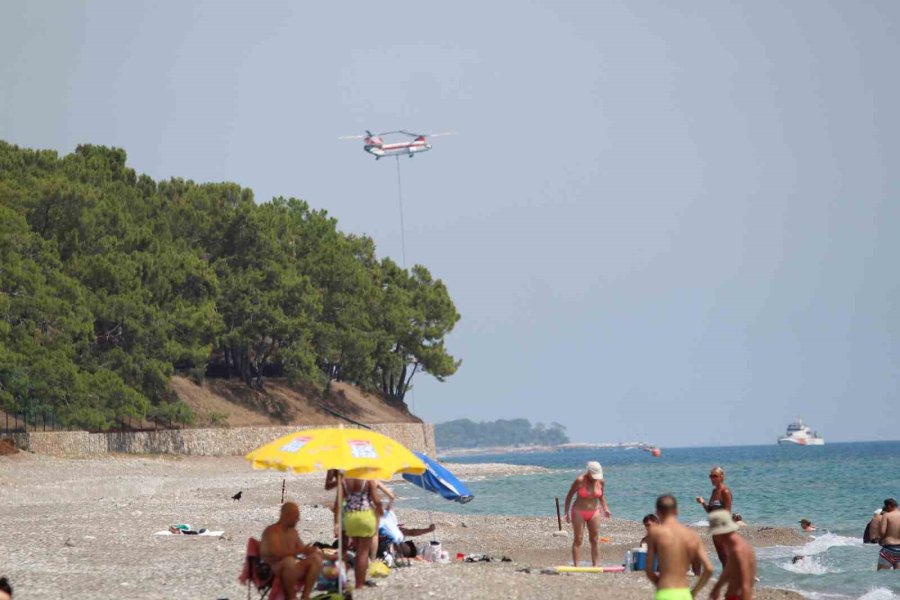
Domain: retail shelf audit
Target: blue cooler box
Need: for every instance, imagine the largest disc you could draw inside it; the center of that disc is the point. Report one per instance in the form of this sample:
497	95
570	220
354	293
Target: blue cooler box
639	561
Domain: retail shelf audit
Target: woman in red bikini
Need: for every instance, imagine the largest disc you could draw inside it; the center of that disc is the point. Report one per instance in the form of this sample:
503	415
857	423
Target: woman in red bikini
587	489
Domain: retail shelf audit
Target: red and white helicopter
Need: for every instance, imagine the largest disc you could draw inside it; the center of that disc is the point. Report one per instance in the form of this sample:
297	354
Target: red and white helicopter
375	145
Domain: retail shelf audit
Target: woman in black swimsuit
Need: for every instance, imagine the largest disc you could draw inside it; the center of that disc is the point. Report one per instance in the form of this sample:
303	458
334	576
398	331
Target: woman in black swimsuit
719	499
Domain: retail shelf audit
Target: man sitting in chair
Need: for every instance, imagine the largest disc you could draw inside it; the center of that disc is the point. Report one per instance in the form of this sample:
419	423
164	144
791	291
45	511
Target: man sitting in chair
279	548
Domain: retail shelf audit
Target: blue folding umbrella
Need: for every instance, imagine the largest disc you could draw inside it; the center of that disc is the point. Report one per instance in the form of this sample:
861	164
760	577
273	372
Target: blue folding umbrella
439	480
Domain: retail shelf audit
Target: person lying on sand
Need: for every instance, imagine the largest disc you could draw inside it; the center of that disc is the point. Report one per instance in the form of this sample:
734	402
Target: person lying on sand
739	574
279	548
678	549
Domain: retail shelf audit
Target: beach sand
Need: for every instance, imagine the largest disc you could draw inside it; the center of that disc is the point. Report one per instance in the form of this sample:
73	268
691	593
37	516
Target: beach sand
83	528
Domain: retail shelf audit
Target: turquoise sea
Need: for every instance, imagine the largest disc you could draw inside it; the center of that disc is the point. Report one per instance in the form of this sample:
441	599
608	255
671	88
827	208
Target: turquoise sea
837	487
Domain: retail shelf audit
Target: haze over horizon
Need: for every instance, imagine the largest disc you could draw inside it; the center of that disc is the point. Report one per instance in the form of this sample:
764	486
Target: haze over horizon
658	222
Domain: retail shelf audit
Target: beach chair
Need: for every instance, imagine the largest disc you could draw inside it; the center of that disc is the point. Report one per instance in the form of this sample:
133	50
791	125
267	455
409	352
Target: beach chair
256	573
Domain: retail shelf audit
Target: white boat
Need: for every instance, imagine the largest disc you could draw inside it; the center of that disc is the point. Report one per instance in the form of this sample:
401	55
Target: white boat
800	434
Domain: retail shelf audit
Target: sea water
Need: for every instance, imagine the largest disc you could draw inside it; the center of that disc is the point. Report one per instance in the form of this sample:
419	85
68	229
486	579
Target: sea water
837	487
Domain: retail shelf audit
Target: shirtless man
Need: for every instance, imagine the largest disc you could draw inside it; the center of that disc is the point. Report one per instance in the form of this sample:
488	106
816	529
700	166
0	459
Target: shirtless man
889	557
279	546
739	573
678	549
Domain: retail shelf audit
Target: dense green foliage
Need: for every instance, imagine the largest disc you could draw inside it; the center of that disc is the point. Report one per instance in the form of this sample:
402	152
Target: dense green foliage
464	433
111	282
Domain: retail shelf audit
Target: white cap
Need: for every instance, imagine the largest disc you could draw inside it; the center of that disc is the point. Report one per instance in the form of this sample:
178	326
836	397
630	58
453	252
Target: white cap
878	512
595	469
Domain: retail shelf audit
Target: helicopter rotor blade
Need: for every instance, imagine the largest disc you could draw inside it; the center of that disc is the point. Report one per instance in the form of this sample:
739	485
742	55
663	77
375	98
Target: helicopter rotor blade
443	133
352	137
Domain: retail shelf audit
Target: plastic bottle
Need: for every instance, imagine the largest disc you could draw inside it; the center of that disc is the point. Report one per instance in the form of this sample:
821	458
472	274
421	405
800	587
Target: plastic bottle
629	566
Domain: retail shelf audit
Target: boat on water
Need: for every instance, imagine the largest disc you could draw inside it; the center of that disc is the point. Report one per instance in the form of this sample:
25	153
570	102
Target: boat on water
799	434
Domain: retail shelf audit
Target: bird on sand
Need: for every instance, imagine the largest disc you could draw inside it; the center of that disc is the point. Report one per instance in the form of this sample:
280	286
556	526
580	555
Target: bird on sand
237	496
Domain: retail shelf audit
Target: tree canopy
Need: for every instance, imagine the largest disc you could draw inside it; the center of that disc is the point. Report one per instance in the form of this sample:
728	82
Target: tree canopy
463	433
110	282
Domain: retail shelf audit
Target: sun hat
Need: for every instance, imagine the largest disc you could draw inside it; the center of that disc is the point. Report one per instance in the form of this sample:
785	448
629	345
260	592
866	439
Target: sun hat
878	512
720	523
595	469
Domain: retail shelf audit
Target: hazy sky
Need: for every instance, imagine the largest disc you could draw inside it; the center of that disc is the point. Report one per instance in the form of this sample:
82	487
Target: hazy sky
664	221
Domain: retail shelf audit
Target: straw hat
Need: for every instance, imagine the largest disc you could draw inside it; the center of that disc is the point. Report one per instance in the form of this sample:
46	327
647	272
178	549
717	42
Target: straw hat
720	523
594	468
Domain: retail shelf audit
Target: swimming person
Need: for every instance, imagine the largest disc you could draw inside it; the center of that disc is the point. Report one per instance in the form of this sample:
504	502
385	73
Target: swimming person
720	499
678	549
889	557
806	525
589	487
739	575
872	534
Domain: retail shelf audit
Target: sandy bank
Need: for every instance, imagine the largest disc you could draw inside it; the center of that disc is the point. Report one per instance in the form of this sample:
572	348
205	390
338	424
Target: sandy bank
82	528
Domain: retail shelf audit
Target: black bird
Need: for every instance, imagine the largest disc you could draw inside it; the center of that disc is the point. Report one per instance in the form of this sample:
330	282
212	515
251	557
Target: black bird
237	496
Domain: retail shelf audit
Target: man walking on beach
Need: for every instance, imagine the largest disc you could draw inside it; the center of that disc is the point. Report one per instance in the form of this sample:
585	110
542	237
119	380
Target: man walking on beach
889	557
279	548
678	549
739	574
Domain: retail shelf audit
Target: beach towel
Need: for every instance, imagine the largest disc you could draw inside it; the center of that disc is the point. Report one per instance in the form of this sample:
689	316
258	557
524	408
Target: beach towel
202	533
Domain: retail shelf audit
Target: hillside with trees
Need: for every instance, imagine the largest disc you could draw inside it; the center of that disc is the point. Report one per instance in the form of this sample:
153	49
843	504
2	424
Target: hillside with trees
112	283
464	433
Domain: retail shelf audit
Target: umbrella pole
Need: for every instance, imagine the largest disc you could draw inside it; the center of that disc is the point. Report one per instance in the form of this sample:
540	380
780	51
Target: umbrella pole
340	532
430	516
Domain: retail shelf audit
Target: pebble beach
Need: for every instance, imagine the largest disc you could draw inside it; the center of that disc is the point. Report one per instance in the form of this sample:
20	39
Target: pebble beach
84	528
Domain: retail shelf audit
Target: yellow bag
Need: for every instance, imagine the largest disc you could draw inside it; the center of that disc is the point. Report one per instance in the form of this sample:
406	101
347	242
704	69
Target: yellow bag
378	569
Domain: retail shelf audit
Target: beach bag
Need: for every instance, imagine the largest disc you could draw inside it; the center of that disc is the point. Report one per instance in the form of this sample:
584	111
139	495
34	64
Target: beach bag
432	552
378	569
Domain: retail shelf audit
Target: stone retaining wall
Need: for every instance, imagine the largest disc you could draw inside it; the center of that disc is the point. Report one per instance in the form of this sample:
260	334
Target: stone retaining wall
199	442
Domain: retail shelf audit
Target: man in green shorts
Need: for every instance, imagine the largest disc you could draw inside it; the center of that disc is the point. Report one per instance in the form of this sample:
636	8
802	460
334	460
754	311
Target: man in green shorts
679	549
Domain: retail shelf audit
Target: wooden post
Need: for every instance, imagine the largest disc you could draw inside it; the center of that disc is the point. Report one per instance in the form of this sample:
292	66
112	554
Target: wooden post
558	517
282	491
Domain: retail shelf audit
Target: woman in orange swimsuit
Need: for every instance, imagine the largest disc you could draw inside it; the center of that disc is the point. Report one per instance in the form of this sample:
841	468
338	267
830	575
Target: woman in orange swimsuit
587	490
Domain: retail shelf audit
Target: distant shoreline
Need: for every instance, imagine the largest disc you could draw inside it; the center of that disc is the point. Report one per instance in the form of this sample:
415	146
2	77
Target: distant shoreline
455	452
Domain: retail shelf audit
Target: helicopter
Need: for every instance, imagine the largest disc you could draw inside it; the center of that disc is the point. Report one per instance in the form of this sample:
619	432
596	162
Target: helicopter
375	145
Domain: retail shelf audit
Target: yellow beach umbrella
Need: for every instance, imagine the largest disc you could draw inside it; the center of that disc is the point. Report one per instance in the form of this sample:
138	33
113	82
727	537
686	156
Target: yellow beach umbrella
359	453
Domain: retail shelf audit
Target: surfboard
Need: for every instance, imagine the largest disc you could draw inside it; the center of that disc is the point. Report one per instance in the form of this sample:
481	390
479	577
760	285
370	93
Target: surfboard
606	569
